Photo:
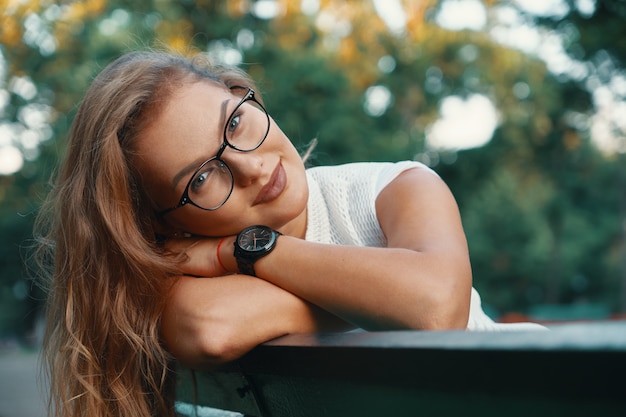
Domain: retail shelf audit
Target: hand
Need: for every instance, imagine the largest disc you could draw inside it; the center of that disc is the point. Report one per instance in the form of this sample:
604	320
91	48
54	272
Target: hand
200	257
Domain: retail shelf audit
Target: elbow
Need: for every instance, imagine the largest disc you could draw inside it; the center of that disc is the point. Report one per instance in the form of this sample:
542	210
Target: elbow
206	350
220	347
446	319
202	347
435	318
448	306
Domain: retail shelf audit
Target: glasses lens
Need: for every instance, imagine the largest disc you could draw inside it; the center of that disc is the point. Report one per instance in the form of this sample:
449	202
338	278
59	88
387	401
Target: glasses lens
247	127
211	185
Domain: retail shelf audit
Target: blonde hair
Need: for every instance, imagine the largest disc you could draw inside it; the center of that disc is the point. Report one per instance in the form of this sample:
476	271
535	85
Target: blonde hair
106	274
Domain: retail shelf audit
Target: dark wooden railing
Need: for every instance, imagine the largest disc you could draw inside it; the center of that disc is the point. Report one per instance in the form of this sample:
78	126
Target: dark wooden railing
571	370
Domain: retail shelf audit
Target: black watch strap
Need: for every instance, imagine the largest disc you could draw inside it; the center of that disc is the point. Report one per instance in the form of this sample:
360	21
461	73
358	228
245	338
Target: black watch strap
245	265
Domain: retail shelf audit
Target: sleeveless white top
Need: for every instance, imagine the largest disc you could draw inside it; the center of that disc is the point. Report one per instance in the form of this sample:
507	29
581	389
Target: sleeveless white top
342	211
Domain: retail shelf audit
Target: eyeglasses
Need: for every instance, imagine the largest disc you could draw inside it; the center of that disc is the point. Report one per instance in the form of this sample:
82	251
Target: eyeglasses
212	183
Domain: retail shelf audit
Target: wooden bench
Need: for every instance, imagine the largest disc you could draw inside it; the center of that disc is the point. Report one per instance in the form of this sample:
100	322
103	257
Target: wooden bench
572	370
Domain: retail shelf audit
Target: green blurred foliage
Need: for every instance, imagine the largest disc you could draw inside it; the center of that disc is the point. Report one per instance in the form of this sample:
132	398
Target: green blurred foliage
543	208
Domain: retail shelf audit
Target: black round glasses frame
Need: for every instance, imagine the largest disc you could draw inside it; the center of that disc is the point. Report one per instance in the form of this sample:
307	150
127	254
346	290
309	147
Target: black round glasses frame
185	199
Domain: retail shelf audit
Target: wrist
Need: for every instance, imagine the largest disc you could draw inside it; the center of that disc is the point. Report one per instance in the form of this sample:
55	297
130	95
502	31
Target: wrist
252	244
226	256
218	254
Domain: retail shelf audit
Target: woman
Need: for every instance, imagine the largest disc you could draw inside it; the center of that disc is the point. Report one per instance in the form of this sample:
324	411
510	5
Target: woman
170	167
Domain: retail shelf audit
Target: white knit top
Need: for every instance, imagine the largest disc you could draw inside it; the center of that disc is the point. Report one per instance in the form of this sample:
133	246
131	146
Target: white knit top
342	211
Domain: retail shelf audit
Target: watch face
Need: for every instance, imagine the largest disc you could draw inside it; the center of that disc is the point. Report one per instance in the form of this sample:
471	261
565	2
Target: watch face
256	239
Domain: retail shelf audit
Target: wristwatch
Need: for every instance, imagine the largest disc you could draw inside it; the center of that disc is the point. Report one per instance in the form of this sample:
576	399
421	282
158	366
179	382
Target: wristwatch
252	244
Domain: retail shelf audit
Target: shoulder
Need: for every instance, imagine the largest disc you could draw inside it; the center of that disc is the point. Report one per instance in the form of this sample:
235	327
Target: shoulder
417	211
419	203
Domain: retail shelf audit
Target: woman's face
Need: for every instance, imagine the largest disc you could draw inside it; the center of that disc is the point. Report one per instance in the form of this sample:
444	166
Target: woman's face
269	183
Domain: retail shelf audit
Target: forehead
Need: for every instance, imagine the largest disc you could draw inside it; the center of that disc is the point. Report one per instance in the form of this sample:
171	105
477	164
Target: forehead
190	106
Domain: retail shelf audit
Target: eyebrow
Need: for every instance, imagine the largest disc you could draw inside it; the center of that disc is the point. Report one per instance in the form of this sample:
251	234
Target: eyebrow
195	164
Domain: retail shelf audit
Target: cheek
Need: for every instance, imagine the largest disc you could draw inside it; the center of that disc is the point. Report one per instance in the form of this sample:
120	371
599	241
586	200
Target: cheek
277	138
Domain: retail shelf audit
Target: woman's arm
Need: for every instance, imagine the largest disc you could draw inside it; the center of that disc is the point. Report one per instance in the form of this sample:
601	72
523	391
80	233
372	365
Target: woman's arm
421	281
208	321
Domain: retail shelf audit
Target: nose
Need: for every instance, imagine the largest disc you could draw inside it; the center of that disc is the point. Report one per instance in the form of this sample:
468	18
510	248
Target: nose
247	167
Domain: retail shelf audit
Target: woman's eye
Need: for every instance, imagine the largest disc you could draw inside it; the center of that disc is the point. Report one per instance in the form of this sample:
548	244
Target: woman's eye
201	179
233	124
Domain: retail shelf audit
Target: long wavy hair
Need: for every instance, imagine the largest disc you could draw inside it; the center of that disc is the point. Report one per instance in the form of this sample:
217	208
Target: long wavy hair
106	275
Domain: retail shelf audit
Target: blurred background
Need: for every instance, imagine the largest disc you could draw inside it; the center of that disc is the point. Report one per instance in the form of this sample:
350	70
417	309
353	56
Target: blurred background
518	104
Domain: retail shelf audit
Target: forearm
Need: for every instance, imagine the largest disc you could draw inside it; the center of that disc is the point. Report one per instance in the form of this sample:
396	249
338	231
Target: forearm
209	321
374	288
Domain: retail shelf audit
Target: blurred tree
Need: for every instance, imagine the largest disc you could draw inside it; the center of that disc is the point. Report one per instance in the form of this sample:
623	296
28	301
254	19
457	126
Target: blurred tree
582	104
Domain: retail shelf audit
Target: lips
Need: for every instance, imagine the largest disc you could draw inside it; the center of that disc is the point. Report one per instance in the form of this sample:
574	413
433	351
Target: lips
274	187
